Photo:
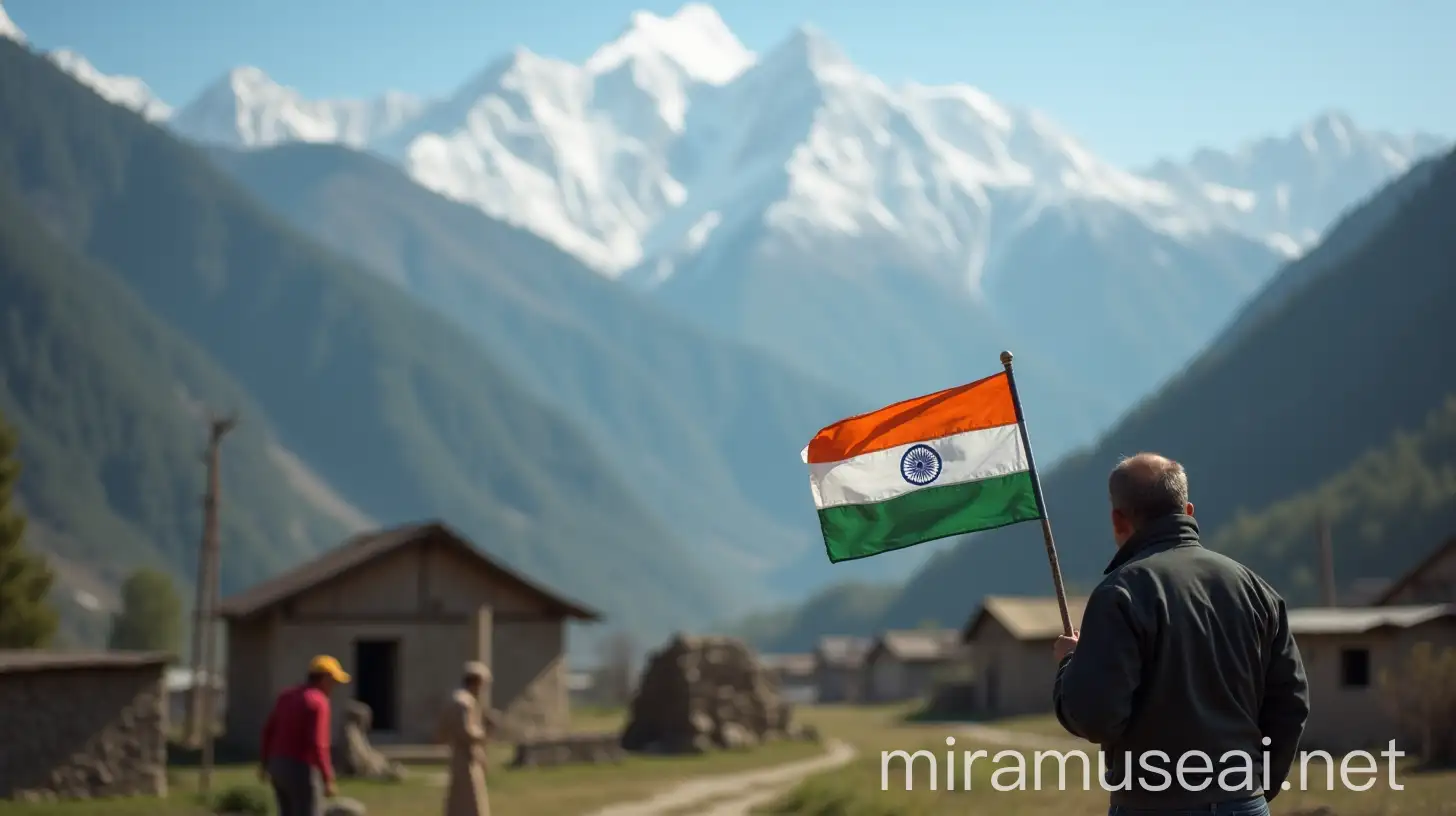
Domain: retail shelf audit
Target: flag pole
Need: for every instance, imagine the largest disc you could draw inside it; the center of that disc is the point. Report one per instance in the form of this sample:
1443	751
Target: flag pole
1046	524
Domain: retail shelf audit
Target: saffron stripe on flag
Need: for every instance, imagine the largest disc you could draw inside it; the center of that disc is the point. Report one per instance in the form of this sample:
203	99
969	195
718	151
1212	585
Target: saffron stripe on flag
985	403
860	530
877	476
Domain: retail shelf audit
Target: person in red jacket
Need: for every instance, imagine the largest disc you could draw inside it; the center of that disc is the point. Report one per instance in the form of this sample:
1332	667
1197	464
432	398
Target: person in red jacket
296	750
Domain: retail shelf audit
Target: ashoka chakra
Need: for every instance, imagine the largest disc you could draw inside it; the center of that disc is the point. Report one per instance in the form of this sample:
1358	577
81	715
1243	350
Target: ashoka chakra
920	465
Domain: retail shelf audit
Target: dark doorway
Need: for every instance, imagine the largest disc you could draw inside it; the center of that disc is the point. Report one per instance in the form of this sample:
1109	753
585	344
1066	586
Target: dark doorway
376	680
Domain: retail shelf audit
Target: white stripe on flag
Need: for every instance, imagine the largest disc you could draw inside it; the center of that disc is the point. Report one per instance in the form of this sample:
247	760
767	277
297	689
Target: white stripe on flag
877	476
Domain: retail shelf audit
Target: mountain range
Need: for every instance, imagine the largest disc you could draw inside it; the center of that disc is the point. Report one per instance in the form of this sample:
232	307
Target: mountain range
1330	399
694	256
364	406
780	198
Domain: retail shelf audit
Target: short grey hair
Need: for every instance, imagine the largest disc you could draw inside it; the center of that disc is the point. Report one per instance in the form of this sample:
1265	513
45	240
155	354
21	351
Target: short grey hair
1146	486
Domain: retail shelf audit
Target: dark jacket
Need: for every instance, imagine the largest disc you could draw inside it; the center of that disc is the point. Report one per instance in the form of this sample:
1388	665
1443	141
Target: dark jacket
1182	649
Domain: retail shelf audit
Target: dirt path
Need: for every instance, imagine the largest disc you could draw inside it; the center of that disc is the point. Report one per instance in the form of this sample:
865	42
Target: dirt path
733	794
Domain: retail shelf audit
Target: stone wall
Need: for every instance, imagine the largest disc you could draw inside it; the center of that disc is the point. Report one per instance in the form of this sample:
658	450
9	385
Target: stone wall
80	726
529	688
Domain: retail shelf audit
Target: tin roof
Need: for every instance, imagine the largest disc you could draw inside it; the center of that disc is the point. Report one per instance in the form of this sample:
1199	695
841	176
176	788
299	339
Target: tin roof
1026	617
18	660
1358	620
366	547
842	651
788	663
917	645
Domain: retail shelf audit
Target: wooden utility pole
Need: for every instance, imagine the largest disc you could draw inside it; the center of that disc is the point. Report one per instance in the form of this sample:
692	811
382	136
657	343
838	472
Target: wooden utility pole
1329	595
204	660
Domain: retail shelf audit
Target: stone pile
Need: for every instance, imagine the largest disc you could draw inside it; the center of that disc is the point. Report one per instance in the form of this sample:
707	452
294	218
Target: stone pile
357	757
572	749
699	693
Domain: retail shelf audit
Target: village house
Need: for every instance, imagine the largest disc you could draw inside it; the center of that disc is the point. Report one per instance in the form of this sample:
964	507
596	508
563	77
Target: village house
81	725
904	664
403	609
1432	581
838	660
794	675
1010	641
1345	650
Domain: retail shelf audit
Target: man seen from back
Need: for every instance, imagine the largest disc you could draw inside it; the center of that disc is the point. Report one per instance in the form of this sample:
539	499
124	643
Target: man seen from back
1184	660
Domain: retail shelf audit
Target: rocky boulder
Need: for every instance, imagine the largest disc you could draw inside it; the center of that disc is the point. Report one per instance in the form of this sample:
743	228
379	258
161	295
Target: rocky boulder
700	693
357	758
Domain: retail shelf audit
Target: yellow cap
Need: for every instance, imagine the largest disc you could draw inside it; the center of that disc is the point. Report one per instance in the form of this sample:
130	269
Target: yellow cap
323	664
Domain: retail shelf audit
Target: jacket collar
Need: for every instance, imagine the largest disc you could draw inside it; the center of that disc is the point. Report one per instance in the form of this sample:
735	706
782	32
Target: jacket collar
1157	535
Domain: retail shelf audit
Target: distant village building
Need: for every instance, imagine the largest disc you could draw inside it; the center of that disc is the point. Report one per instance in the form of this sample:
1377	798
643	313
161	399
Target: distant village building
1010	644
581	687
838	660
81	725
179	693
403	609
903	664
1431	581
794	674
1345	650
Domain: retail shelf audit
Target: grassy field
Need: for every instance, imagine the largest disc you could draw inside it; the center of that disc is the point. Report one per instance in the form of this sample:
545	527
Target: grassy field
856	789
546	791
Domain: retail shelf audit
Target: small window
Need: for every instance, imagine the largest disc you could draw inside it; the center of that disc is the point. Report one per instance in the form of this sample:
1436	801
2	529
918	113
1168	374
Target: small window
1355	668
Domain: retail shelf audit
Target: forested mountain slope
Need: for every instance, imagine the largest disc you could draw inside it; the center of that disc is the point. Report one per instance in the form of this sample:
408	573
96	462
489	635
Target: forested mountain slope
109	406
658	394
398	410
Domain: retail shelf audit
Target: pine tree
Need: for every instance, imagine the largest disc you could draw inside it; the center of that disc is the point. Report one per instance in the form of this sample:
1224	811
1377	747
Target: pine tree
150	619
27	620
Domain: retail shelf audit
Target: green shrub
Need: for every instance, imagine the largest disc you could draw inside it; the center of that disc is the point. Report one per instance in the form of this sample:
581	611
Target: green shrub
242	801
830	795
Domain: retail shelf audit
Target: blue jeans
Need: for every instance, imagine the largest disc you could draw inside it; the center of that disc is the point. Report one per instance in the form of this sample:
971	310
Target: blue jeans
1256	806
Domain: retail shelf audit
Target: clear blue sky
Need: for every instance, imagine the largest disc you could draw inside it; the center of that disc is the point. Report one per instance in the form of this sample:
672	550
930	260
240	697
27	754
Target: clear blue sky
1134	79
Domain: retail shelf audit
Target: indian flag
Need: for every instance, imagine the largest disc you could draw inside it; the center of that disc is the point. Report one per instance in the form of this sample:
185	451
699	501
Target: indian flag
944	464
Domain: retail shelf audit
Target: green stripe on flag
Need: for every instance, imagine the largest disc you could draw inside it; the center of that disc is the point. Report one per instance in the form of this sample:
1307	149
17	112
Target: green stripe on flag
860	530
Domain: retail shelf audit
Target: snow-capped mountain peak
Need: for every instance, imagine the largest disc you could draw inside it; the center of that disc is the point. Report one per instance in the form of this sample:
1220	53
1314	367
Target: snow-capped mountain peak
8	29
1331	130
126	91
695	39
1287	189
247	108
674	131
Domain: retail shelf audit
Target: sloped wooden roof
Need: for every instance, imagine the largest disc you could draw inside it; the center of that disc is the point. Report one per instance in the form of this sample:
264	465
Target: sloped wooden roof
1400	584
368	547
1025	617
19	660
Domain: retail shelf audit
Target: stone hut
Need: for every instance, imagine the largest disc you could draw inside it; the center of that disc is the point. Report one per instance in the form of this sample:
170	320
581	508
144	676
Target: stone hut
80	725
1345	650
903	664
1010	641
793	674
402	609
837	663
